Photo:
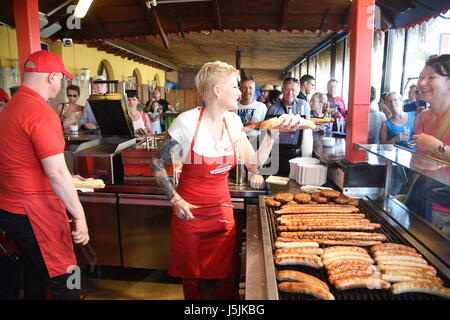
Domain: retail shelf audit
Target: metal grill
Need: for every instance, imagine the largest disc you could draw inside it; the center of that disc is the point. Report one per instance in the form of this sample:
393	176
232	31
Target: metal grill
352	294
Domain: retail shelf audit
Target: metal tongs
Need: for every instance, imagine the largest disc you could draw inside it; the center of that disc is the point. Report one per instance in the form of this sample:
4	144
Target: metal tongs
212	206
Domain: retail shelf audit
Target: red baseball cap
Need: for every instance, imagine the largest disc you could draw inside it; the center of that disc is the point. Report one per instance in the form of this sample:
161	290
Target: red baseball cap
3	95
45	61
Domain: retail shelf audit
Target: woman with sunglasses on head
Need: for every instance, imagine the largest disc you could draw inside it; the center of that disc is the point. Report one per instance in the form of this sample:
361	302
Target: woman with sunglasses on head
70	112
432	127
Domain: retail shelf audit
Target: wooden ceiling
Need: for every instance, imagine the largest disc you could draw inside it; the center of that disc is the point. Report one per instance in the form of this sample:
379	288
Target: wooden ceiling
264	55
184	34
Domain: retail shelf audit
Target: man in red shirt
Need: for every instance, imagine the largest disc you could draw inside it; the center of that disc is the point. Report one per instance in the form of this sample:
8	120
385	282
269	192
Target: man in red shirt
35	184
336	102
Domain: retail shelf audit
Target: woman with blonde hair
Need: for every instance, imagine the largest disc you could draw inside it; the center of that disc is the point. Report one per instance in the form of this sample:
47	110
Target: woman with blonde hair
319	105
399	128
209	140
320	109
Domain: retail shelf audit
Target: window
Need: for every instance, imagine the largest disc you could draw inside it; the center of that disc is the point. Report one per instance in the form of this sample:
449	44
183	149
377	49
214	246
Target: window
424	40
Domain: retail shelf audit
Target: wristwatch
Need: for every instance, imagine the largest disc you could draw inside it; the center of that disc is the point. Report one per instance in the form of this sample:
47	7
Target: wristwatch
441	149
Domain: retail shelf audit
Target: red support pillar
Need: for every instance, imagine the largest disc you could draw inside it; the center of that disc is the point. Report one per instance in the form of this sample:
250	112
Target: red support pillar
361	38
26	15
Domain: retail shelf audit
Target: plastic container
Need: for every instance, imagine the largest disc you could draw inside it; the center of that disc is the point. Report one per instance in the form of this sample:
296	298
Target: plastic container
328	141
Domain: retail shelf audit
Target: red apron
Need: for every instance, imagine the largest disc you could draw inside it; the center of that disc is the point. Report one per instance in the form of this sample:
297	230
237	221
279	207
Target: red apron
201	248
49	221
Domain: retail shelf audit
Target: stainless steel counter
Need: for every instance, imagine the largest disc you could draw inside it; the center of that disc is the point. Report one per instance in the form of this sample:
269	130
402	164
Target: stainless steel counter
328	154
335	154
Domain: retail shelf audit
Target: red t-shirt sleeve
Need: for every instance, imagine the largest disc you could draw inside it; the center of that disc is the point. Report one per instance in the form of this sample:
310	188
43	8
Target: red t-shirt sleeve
45	132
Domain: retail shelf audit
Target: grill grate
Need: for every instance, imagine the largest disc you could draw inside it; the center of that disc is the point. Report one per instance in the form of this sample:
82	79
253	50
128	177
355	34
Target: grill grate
352	294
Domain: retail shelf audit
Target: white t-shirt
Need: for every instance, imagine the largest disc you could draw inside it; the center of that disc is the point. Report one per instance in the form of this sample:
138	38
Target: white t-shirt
258	115
183	127
156	125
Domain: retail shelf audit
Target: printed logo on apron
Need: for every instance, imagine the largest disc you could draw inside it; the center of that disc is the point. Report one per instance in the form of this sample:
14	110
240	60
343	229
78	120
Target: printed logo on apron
221	169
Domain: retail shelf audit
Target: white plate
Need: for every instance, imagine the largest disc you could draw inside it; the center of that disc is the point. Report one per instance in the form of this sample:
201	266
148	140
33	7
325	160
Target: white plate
277	180
314	189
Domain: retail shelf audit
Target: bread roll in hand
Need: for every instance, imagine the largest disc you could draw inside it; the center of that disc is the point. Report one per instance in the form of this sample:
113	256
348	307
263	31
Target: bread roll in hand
89	183
283	123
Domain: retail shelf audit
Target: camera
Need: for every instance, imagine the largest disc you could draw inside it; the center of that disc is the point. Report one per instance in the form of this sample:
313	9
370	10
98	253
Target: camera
67	42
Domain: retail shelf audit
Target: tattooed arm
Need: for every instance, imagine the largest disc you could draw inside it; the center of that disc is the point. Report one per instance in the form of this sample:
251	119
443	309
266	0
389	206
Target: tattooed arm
162	156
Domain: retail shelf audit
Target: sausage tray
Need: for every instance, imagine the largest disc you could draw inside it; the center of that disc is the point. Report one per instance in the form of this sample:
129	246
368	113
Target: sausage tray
352	294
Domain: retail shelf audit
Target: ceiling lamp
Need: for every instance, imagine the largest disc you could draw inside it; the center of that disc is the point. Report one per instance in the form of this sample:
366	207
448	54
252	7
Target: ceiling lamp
82	8
150	3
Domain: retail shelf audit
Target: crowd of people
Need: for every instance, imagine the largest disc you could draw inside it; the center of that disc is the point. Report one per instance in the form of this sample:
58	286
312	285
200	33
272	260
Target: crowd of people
148	119
391	119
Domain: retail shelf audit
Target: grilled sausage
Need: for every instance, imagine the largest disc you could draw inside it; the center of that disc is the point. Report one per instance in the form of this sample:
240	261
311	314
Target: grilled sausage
325	208
330	261
318	220
311	227
335	235
417	260
361	282
353	273
420	287
391	246
301	261
349	265
321	216
297	276
397	277
332	254
361	243
317	251
384	253
296	244
345	249
421	268
306	288
297	255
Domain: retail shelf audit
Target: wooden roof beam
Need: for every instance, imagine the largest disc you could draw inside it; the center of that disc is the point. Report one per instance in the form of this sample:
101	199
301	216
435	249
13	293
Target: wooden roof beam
161	32
284	14
324	20
180	28
216	9
154	15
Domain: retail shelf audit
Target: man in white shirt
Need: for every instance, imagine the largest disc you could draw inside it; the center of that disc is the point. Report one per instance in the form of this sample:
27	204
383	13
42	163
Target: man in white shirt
247	87
87	118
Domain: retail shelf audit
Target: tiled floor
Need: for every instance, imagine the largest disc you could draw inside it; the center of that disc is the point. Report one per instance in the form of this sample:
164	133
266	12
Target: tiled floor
130	284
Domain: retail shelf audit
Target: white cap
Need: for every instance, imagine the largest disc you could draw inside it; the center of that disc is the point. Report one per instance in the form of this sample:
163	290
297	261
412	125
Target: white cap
98	78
